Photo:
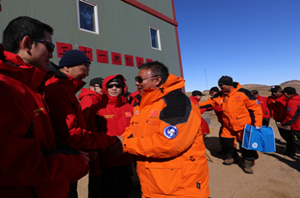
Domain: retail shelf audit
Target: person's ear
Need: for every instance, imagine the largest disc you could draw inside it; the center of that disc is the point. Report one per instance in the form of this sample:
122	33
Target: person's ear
158	80
66	68
26	44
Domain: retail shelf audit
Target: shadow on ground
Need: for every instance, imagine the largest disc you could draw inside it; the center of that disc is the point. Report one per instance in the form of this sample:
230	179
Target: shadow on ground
293	161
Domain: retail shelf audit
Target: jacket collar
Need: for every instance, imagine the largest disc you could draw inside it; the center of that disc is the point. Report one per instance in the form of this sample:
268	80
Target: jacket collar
87	92
71	83
30	75
151	95
236	87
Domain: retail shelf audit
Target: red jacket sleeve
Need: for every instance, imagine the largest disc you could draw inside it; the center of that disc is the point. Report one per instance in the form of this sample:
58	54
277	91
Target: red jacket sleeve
291	113
66	117
23	162
89	109
276	104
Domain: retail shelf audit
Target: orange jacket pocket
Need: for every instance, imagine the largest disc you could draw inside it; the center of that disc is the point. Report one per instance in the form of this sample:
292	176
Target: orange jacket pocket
164	180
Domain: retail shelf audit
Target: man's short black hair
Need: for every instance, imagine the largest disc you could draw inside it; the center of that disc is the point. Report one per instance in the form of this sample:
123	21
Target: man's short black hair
20	27
157	69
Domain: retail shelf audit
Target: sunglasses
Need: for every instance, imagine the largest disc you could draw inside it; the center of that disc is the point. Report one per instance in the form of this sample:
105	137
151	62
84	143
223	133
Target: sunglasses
109	86
50	46
221	84
140	79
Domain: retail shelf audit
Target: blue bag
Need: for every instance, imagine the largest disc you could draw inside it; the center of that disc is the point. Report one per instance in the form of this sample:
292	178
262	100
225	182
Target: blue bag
262	139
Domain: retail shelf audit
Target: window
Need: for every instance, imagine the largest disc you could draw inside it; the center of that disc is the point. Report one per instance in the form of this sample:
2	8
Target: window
155	38
87	16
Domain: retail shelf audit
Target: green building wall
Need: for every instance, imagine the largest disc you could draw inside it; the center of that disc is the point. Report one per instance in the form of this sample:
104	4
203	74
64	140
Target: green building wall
123	29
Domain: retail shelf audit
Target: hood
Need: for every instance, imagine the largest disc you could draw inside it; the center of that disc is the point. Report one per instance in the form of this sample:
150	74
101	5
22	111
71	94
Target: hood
87	92
153	94
15	68
114	100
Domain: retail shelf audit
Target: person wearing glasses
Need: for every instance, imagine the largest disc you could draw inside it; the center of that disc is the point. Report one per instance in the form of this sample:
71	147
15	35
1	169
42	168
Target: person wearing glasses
34	163
165	136
239	107
65	111
115	179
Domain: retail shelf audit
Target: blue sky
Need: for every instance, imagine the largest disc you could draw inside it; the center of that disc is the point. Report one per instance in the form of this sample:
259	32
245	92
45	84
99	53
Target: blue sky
253	41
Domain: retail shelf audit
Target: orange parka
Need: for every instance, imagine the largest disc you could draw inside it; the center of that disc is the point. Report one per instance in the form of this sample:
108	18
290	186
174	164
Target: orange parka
165	135
239	107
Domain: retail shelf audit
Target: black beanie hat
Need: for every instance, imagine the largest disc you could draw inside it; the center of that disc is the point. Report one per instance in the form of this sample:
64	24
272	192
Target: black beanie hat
290	90
214	89
225	80
72	58
197	93
96	81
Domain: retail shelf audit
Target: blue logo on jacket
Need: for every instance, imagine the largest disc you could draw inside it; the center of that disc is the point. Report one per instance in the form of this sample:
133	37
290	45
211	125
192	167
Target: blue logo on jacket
170	132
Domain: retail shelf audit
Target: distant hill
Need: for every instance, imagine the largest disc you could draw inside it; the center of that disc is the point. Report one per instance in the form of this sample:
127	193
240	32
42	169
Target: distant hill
262	89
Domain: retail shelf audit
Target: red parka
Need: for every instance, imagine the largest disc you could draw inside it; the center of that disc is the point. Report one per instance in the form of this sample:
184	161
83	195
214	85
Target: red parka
114	118
133	98
277	106
196	100
264	106
33	162
90	103
204	125
292	111
67	117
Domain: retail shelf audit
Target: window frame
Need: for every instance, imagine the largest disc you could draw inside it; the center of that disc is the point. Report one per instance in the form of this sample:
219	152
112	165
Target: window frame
158	38
95	16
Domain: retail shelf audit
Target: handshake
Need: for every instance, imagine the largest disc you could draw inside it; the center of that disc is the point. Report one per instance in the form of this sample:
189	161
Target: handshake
115	149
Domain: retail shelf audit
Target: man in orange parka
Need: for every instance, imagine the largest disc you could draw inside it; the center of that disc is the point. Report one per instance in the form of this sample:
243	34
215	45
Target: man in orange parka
239	108
165	135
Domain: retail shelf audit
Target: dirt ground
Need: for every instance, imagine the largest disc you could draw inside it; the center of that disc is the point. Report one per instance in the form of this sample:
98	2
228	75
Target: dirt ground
275	175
